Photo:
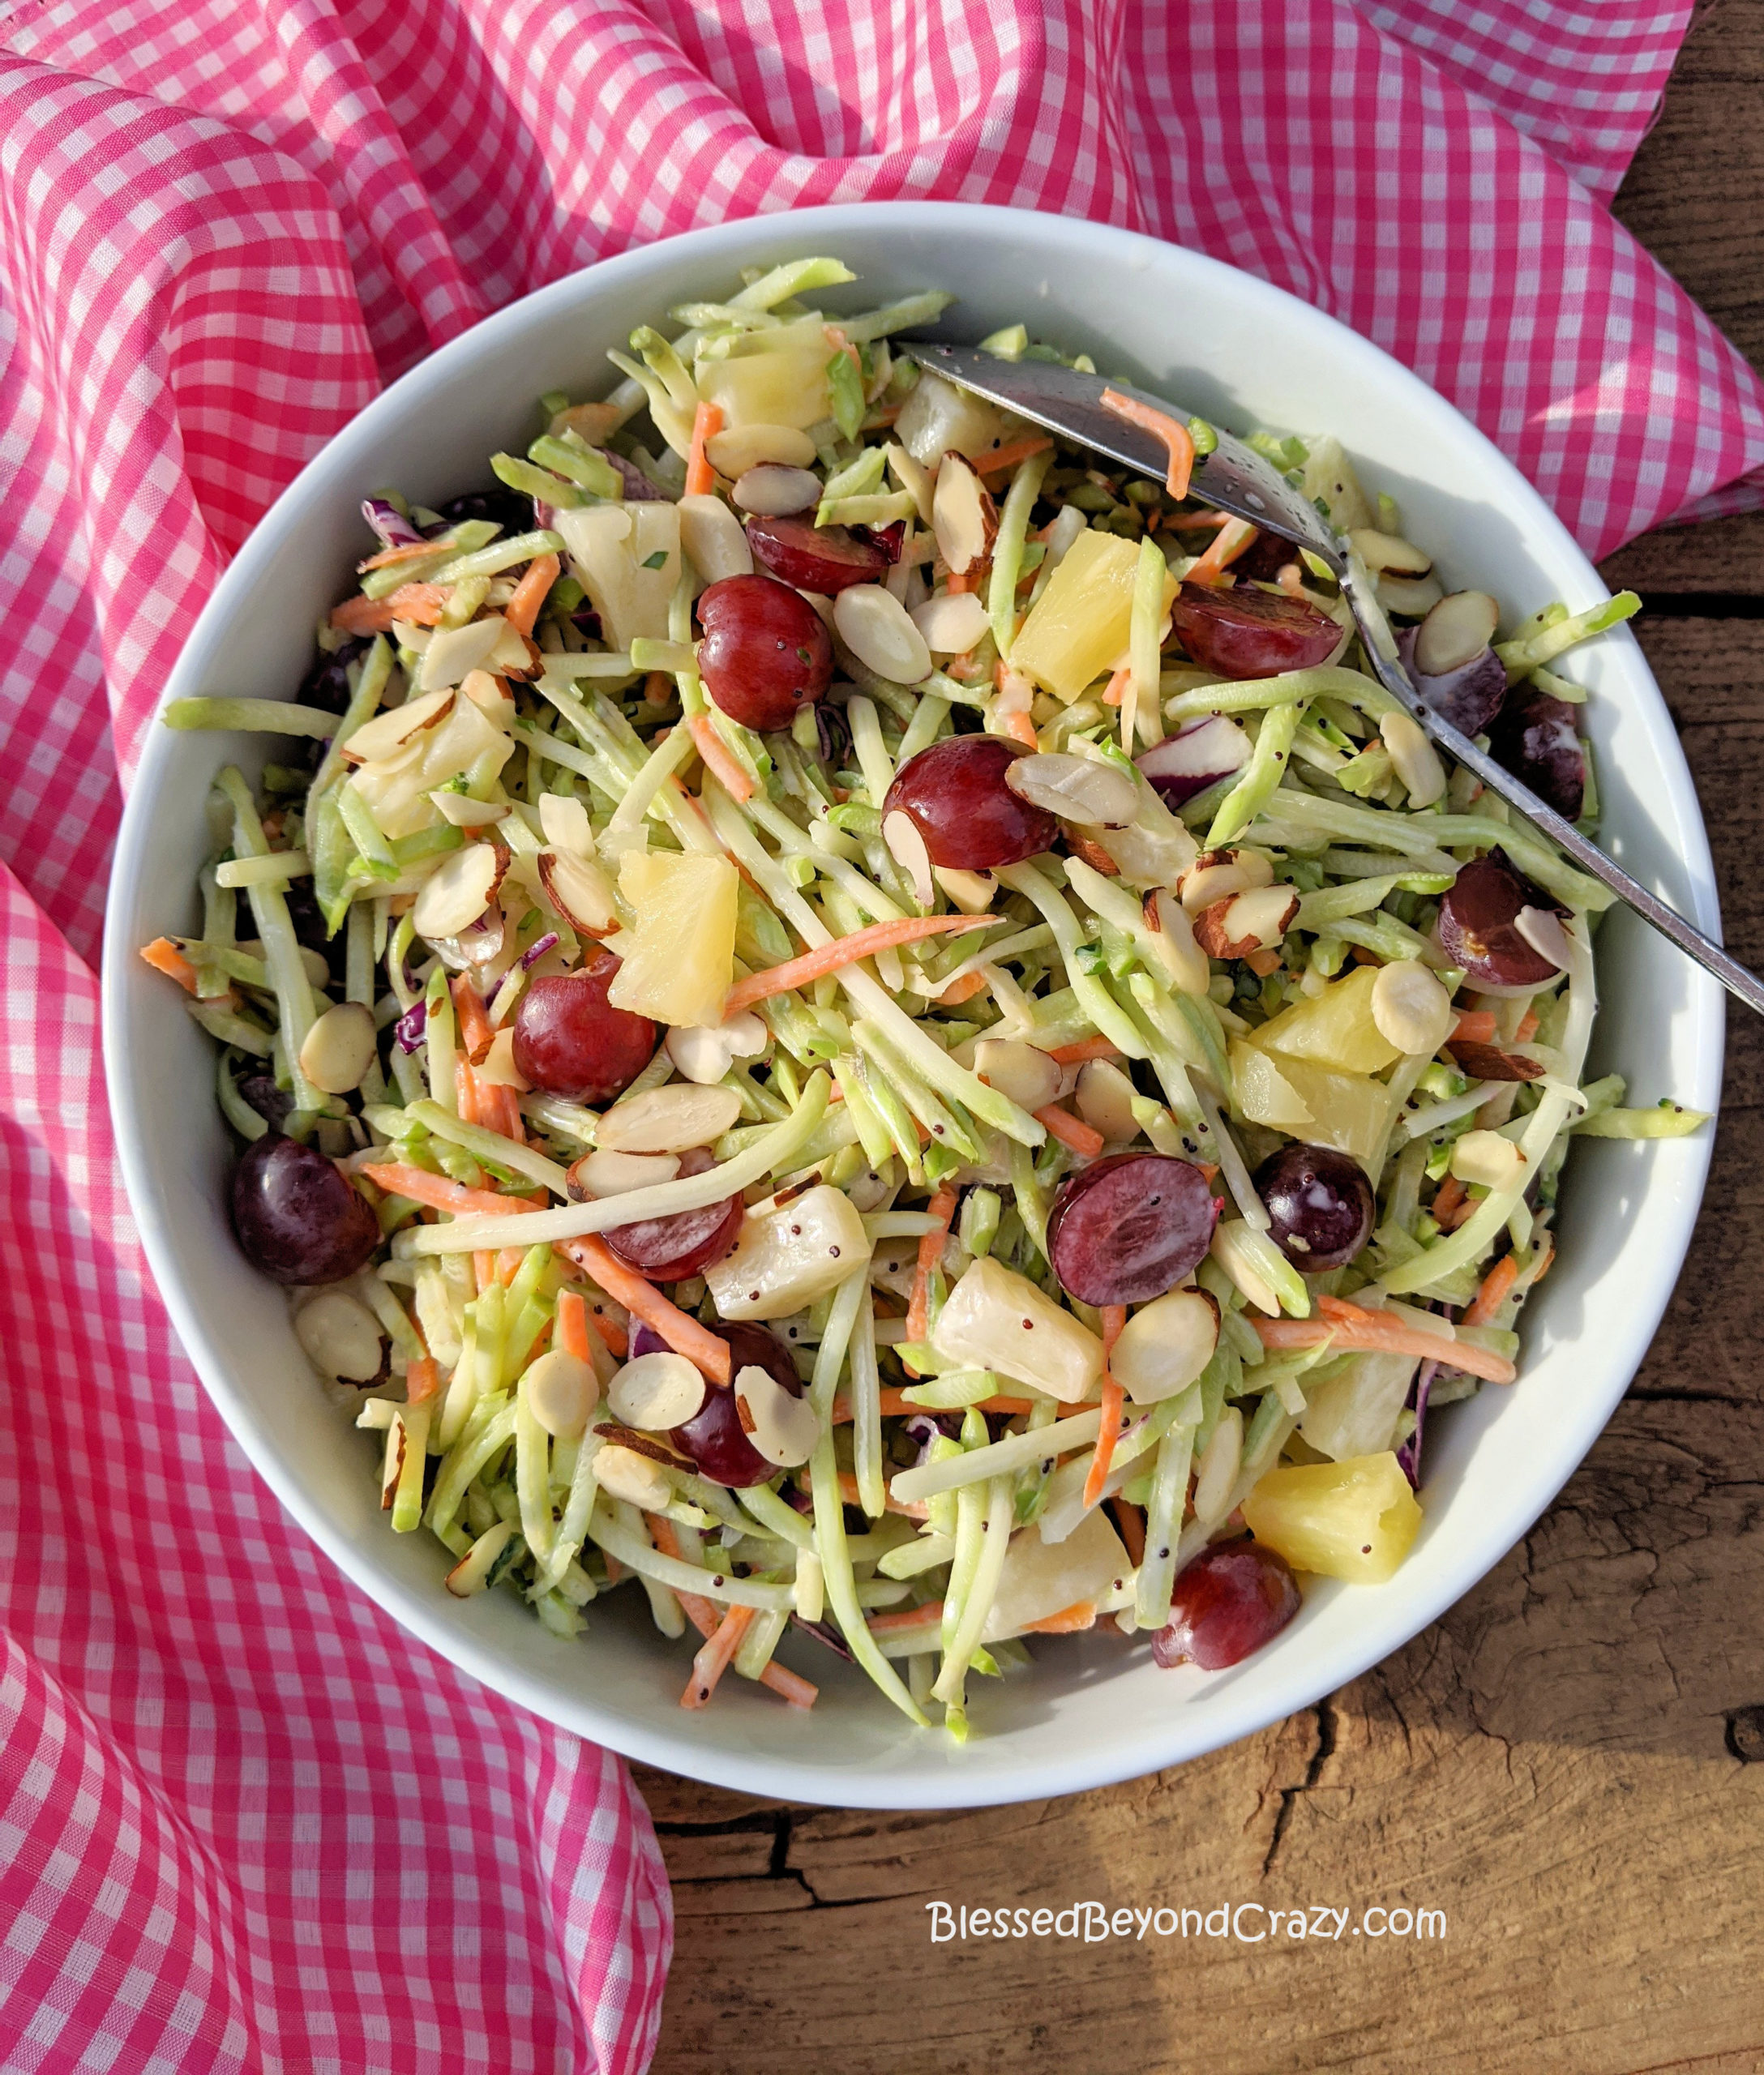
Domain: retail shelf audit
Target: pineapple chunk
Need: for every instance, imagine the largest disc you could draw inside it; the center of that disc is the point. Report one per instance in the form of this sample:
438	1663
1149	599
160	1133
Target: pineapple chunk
1334	1028
1349	1111
1353	1520
1089	1567
1355	1413
1079	628
781	380
611	546
789	1255
679	955
998	1319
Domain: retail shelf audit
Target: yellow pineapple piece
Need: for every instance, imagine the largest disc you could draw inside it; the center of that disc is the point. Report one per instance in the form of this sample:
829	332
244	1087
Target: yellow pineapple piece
1333	1030
1349	1111
1080	625
781	380
1355	1519
680	953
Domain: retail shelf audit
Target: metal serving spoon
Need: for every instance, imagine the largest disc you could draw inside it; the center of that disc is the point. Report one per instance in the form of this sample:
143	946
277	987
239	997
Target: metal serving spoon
1234	478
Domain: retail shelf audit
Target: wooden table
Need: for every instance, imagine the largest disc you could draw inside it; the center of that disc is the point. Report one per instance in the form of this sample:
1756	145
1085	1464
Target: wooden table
1564	1763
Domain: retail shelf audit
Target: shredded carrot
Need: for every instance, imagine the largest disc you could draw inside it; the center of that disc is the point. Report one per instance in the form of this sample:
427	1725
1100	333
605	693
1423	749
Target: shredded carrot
1493	1292
931	1614
1116	690
1068	1621
1114	1400
483	1271
1175	434
419	1186
701	477
1447	1199
963	990
610	1332
406	551
1020	727
702	1613
959	580
842	953
1543	1266
508	1264
942	1207
522	610
1227	544
707	1617
1477	1025
571	1334
421	604
1376	1332
1009	456
1086	1049
1130	1521
915	1509
423	1381
1291	579
718	761
712	1660
1071	1131
1262	962
164	956
1527	1028
475	1032
789	1686
643	1301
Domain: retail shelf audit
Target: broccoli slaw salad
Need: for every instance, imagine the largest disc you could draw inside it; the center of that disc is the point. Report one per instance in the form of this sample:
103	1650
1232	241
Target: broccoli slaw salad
841	1017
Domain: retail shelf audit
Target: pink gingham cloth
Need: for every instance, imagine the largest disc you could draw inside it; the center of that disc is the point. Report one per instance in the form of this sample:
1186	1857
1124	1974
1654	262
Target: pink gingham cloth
244	1822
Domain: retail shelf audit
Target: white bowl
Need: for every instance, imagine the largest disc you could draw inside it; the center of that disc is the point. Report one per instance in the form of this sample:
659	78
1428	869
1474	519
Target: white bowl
1094	1710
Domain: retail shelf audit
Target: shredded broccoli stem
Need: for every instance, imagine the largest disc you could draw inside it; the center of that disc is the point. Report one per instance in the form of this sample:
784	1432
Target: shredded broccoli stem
295	1012
1008	548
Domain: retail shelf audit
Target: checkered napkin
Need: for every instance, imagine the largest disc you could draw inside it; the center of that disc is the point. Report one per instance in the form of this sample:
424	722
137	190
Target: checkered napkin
244	1822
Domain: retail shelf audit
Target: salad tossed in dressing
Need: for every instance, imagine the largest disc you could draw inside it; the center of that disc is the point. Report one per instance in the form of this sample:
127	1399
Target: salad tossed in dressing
842	1016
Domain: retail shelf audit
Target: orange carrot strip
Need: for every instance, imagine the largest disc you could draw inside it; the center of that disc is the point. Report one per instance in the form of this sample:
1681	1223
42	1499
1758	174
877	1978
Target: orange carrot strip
508	1264
907	1617
701	1612
788	1686
942	1207
1382	1334
475	1032
420	604
1476	1025
1009	456
522	610
842	952
1527	1028
959	580
406	551
1068	1621
164	956
465	1090
643	1301
1116	690
1130	1521
1113	1400
712	1660
1493	1293
963	990
483	1271
1177	438
572	1331
423	1381
419	1186
1262	962
707	422
1086	1049
1545	1265
1227	545
718	759
1020	727
1071	1131
916	1509
1448	1199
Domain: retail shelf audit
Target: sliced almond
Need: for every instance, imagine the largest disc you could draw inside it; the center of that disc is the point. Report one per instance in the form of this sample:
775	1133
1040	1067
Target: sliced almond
341	1336
1165	1345
1486	1158
1411	1008
1387	551
952	622
1457	630
714	540
455	650
1105	1098
497	1064
626	1474
564	820
1414	758
771	492
671	1119
1093	854
1542	929
1172	935
1019	1072
1255	921
340	1048
743	447
703	1052
875	627
603	1173
905	844
462	811
471	1574
1094	795
960	516
1214	874
913	476
579	890
562	1390
393	729
659	1392
1489	1063
973	892
783	1429
453	898
489	696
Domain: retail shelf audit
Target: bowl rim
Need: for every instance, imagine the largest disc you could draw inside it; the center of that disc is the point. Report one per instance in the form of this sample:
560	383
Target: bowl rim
786	1776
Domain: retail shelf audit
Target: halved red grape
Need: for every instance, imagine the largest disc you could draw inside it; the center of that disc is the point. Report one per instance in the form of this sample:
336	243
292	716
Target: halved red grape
1476	927
1242	632
670	1249
296	1217
1231	1600
1536	739
956	796
1321	1204
570	1040
1124	1230
712	1436
765	652
327	684
1469	697
824	558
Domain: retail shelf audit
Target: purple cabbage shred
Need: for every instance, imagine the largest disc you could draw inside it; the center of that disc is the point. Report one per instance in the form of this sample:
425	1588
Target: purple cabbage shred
530	957
395	530
410	1026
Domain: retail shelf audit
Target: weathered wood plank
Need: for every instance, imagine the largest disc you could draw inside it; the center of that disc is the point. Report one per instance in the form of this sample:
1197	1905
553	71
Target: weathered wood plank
1723	556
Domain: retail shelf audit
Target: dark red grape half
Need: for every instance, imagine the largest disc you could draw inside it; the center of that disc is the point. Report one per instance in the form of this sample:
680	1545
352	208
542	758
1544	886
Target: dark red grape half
956	796
296	1215
765	652
1124	1230
670	1249
1536	739
823	558
713	1437
570	1040
1242	632
1321	1204
1231	1600
1476	925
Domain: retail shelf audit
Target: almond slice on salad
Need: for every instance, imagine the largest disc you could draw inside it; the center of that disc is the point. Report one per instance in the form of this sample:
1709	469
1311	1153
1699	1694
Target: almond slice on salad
579	890
1411	1008
1172	935
564	822
633	1476
961	515
563	1391
659	1392
671	1119
460	810
1095	795
781	1428
1455	632
454	897
1384	552
341	1336
454	653
1027	1076
339	1048
771	492
1214	874
1246	922
1105	1098
391	729
704	1052
497	1064
953	621
875	625
973	892
905	844
605	1173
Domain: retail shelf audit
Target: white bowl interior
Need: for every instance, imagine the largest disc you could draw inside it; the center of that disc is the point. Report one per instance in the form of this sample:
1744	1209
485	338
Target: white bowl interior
1234	349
